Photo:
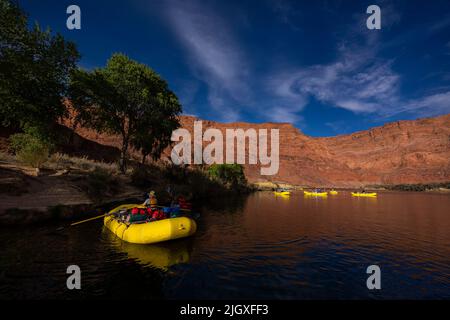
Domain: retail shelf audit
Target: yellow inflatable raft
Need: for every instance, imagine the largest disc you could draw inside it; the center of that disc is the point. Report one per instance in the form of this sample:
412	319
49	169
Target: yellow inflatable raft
358	194
282	193
150	232
315	194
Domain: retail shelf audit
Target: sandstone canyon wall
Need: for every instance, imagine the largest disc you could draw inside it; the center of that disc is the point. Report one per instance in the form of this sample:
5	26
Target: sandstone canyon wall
400	152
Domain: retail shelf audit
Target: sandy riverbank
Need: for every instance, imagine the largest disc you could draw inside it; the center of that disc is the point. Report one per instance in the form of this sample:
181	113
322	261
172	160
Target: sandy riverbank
53	194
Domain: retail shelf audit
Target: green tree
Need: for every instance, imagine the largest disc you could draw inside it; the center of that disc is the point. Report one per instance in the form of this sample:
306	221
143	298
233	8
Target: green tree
34	71
230	174
30	147
130	99
156	132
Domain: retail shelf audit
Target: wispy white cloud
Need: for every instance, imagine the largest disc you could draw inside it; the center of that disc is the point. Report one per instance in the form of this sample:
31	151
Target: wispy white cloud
356	81
214	54
440	24
284	114
429	105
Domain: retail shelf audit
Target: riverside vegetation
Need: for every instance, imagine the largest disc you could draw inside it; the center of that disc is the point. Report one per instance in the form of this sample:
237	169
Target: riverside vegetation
41	85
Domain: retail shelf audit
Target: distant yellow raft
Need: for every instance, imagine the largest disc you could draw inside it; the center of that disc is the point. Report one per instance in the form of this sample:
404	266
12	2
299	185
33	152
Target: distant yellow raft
333	192
282	193
150	232
315	194
358	194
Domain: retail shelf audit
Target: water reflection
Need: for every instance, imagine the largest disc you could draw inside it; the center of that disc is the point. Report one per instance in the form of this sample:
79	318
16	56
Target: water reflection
161	256
255	247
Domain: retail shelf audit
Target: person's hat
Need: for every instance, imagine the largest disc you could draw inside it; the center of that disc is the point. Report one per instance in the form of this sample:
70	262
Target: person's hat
152	193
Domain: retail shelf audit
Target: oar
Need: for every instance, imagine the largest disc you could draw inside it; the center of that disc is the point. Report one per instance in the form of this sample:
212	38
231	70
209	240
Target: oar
90	219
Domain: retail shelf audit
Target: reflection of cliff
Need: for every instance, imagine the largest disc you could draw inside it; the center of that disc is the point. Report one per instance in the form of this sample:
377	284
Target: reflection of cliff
161	256
399	152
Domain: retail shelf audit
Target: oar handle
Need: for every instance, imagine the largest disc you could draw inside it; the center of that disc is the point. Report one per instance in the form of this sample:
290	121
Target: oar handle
90	219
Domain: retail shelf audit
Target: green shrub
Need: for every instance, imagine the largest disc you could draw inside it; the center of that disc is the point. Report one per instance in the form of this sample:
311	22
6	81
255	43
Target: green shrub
176	173
228	174
100	183
140	177
30	147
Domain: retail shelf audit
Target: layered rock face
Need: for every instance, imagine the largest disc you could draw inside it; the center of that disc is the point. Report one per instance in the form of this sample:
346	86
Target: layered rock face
400	152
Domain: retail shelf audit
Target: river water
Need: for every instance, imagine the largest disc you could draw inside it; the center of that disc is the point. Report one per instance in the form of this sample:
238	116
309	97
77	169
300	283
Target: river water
256	247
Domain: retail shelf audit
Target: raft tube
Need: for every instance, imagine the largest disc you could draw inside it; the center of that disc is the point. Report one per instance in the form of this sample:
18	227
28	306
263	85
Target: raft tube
282	193
357	194
150	232
315	194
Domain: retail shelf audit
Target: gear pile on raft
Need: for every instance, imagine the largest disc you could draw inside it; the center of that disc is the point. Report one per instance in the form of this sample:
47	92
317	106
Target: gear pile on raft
149	223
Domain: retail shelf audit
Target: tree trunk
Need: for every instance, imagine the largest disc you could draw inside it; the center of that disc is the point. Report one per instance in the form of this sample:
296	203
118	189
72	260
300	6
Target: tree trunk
144	156
123	155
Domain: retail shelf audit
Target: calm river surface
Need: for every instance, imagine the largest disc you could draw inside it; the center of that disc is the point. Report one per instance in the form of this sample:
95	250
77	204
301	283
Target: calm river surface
259	247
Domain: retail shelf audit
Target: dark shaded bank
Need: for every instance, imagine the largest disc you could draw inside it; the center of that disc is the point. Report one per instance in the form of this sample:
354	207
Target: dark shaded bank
27	208
439	186
58	213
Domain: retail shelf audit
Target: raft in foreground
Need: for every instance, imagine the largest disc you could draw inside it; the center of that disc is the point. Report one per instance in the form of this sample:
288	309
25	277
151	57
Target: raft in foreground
151	232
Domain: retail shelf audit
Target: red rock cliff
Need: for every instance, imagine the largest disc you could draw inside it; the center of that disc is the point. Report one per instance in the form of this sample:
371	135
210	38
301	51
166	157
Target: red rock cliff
401	152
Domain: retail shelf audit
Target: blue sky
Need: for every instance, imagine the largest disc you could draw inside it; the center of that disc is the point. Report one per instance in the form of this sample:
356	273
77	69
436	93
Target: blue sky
311	63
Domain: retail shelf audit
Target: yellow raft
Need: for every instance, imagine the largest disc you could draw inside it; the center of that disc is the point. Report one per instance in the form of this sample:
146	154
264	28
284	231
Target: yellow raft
315	194
333	192
282	193
358	194
150	232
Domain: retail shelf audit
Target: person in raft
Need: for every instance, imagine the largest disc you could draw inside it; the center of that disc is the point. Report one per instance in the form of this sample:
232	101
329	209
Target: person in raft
153	212
151	201
183	203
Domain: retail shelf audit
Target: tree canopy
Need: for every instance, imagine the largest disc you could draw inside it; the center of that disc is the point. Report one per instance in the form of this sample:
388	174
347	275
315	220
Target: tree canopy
231	174
130	99
34	70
